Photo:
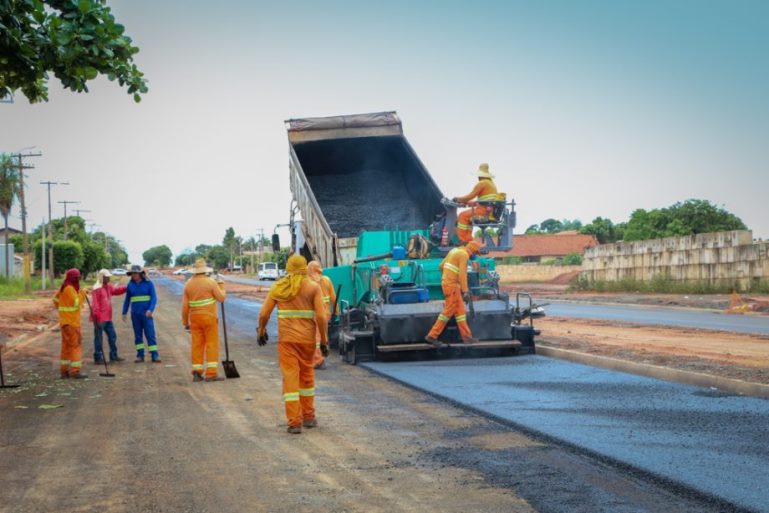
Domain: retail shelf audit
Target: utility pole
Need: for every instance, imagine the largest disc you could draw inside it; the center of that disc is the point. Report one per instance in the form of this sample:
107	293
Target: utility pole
78	210
50	229
66	234
21	167
42	253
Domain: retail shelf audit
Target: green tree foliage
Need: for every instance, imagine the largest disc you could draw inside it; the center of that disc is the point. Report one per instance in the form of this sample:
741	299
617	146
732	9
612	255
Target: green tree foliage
94	257
67	254
218	257
683	218
117	254
158	255
185	259
554	226
9	190
572	259
604	230
76	40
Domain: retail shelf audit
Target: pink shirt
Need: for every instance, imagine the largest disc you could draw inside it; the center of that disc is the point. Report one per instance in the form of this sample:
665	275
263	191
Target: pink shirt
102	302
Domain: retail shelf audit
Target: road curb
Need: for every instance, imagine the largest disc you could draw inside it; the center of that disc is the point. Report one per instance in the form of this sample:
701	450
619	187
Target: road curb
699	379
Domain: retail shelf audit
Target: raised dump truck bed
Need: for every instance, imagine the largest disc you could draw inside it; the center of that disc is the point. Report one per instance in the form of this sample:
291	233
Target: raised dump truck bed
356	173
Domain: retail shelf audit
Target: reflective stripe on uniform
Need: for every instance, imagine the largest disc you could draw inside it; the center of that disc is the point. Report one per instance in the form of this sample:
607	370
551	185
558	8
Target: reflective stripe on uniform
140	299
64	362
451	267
489	197
307	392
202	302
291	397
197	366
212	365
317	345
69	308
296	314
463	226
76	365
461	318
153	348
326	299
444	318
140	347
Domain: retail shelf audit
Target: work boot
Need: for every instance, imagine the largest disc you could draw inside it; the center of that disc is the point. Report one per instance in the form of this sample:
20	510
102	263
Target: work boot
80	375
196	376
139	360
157	360
98	361
295	430
321	365
116	359
64	375
214	378
310	423
433	341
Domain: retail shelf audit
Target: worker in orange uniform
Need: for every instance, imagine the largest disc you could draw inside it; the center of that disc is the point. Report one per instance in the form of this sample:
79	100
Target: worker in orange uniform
69	300
199	299
301	314
484	190
315	272
455	291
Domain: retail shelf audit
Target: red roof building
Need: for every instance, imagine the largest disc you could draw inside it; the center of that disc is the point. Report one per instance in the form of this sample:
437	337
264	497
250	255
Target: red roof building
542	248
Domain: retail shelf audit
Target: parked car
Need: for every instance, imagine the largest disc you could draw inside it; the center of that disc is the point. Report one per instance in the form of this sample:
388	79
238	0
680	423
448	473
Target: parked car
119	272
268	271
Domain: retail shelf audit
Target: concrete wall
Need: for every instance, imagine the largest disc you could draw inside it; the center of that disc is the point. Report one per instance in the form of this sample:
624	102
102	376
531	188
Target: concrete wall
533	273
723	258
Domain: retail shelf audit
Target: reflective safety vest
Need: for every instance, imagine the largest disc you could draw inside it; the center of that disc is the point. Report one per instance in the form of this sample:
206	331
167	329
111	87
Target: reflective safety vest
140	299
69	303
454	268
202	302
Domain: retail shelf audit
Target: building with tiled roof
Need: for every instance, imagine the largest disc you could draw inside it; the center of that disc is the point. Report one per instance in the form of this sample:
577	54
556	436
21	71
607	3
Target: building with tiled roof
543	248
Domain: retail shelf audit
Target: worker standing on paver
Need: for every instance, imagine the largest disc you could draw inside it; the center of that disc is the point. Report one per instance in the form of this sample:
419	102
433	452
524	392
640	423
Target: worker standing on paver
301	313
69	300
484	190
101	316
455	291
315	272
199	299
142	299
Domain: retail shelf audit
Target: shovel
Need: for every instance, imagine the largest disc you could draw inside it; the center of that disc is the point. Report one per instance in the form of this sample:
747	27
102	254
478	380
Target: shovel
229	366
106	373
2	378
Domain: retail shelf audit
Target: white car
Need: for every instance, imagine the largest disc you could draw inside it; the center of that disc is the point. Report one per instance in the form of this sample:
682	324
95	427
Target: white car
268	271
180	271
119	272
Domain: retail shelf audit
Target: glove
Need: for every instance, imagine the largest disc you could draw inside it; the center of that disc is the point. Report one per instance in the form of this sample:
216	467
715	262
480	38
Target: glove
324	349
263	339
467	297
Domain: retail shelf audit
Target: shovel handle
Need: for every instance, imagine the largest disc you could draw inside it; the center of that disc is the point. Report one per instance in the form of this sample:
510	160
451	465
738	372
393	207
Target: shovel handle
224	329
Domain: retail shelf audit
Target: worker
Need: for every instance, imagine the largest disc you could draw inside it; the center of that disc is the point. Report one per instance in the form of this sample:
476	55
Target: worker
101	316
301	313
455	292
69	300
315	272
484	190
199	316
142	299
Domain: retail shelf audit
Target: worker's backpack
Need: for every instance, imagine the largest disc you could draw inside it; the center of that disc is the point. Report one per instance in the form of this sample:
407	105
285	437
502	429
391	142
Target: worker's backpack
419	247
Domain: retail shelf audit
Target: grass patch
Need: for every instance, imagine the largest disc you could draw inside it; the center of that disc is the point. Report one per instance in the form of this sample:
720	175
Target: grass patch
13	288
662	285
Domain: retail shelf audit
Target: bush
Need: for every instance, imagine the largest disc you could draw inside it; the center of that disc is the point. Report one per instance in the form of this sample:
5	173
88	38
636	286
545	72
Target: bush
511	260
664	285
67	254
572	259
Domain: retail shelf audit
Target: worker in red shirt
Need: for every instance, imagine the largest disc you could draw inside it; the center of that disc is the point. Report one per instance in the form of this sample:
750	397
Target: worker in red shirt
455	291
484	190
301	314
101	316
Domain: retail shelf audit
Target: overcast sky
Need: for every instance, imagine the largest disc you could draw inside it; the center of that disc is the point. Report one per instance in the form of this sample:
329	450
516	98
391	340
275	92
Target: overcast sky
582	109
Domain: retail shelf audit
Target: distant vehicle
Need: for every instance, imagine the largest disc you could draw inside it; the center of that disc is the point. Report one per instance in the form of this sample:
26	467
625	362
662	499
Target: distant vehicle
180	271
152	271
235	269
281	272
119	272
268	271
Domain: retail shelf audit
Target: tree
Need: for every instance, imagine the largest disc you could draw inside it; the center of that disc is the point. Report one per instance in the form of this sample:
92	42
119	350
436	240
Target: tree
604	230
551	226
158	255
691	217
572	259
229	241
218	257
94	257
76	40
67	254
9	190
185	259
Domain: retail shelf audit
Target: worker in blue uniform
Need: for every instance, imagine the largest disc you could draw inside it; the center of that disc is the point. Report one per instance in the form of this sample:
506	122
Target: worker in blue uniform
141	298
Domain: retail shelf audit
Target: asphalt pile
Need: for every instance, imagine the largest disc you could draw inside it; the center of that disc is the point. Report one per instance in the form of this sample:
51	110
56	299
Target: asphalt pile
371	199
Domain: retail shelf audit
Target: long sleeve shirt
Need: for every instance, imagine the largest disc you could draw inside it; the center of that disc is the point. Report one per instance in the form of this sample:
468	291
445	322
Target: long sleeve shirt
484	190
454	268
70	303
140	297
300	317
200	296
101	302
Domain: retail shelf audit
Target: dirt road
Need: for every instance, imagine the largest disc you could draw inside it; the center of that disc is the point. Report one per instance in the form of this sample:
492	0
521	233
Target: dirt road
151	440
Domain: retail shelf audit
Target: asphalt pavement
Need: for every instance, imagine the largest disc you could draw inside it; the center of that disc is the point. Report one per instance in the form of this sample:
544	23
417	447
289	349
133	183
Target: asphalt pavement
708	441
677	317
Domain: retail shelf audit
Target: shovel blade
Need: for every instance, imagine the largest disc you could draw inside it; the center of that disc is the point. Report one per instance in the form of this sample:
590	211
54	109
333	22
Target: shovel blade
106	375
229	369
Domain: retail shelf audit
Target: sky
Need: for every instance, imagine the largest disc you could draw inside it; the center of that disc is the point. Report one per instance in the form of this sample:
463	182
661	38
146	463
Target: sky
582	109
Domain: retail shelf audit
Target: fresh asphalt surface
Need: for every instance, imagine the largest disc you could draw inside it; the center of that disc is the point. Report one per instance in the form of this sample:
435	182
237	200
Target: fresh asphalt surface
678	317
712	442
708	441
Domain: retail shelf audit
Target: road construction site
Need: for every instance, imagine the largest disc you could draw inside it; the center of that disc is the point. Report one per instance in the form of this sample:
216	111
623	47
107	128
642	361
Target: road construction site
505	434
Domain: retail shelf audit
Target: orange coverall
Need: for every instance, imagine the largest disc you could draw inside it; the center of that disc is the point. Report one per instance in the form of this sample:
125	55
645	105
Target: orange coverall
453	283
70	304
298	321
329	298
484	190
199	313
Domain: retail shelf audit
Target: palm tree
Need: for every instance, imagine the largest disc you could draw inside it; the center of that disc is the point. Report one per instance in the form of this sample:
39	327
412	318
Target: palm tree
9	190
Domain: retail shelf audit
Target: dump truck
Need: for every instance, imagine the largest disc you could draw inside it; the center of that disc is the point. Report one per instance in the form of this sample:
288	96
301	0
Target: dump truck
366	207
